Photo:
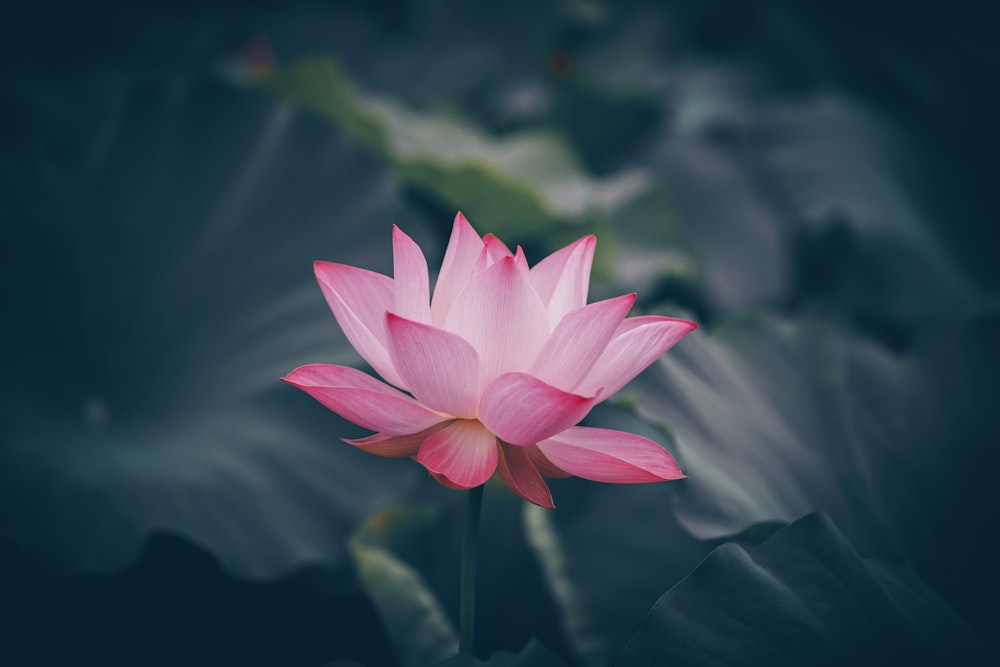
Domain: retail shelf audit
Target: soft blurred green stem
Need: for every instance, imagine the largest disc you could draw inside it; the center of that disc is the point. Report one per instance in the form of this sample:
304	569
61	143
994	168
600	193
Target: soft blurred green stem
467	595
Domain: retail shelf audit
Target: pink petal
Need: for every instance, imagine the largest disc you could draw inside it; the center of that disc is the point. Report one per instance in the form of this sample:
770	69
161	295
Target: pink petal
464	453
360	398
638	342
395	446
359	300
563	278
440	368
493	251
456	269
500	314
522	410
522	477
412	289
603	455
578	341
545	467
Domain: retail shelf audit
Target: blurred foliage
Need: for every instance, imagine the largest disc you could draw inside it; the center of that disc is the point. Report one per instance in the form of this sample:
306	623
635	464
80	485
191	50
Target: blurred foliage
809	182
803	597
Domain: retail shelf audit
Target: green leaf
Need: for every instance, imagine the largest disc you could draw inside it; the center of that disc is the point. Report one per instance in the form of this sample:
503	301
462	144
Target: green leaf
803	597
408	561
774	419
417	624
527	186
534	654
609	550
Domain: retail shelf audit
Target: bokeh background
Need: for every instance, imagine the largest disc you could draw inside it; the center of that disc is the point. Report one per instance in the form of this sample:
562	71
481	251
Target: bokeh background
813	183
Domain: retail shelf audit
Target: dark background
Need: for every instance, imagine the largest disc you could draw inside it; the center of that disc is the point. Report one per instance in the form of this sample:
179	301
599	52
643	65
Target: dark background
813	183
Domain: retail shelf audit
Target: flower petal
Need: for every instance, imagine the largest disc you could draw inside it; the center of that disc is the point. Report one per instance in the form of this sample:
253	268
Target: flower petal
563	278
460	258
359	300
503	318
520	474
362	399
395	446
522	410
440	368
495	248
464	453
412	289
544	466
578	341
638	342
603	455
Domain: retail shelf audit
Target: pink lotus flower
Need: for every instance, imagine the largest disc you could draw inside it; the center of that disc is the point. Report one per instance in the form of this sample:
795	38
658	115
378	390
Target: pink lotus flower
500	365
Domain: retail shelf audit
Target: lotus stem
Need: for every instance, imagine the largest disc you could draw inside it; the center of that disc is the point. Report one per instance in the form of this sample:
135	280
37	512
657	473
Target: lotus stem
467	594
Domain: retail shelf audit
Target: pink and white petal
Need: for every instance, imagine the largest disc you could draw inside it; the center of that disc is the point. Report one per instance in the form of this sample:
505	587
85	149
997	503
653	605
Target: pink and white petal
521	262
464	453
578	342
362	399
562	279
440	368
603	455
522	410
520	474
460	258
359	300
502	316
412	288
638	342
545	467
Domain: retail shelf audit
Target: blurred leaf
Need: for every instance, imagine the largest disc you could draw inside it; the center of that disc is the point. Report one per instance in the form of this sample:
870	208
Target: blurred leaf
408	558
533	655
607	127
156	284
607	559
775	419
176	605
417	625
804	597
526	186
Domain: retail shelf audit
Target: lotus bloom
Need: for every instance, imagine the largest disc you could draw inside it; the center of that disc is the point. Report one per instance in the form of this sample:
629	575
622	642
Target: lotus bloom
495	370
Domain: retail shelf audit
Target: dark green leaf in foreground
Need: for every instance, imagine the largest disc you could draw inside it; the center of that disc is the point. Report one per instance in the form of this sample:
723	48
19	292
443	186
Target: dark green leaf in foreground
803	597
774	419
533	655
610	550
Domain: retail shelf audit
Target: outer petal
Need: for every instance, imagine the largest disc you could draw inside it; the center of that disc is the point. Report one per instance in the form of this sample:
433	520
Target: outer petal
440	368
501	315
638	342
360	398
544	466
578	341
563	278
522	410
464	453
412	289
395	446
520	474
603	455
460	258
359	300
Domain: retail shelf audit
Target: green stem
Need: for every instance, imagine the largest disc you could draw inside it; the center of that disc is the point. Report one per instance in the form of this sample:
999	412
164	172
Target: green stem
467	594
